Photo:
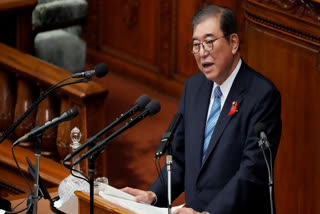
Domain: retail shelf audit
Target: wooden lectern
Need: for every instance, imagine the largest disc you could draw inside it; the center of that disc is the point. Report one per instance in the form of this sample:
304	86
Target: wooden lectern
101	205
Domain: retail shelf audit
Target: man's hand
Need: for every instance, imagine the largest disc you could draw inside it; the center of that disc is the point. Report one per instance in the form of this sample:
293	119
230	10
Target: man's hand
185	210
140	195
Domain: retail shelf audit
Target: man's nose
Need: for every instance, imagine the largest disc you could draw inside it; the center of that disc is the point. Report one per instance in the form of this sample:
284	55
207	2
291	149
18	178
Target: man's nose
202	51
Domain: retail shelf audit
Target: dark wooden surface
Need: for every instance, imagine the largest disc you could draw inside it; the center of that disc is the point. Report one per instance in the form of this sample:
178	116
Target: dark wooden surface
101	206
28	77
16	4
16	23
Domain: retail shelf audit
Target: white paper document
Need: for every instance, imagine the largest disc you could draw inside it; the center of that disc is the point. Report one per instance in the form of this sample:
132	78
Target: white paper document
127	201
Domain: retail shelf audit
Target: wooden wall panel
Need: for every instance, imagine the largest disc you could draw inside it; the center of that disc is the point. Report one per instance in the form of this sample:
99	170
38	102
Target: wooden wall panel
292	67
137	38
131	33
282	44
186	65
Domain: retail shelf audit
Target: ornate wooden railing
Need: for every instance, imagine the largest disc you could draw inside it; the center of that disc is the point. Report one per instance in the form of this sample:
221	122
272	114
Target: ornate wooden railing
22	79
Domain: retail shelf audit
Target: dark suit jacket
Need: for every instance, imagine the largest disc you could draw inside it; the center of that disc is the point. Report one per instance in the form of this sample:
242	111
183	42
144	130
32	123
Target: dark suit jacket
233	178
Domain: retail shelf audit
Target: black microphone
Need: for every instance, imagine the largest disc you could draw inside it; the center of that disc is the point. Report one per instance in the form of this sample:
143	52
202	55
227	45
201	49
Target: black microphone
141	103
259	130
152	108
65	116
167	137
100	70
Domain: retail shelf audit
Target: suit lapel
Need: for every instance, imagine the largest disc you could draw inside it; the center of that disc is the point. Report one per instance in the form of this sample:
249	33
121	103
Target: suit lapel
199	118
236	93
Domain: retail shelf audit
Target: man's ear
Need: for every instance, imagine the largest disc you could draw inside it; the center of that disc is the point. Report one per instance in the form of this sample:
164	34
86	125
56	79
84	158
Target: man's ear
235	42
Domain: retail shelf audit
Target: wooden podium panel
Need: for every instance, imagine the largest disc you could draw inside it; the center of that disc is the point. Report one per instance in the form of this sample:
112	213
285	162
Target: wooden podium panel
101	206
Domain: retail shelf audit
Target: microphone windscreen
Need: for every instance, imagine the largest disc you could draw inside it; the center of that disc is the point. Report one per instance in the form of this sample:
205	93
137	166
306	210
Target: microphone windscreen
101	70
73	112
153	107
142	101
258	128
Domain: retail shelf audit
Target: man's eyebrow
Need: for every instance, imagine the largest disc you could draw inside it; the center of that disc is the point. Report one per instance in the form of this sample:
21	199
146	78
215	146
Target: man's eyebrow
206	35
209	35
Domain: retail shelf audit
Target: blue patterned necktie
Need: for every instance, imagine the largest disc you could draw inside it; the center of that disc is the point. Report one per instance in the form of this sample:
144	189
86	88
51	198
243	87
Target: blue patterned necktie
212	120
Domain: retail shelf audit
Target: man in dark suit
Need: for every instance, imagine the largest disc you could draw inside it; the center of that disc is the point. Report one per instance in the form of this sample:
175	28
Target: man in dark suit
217	160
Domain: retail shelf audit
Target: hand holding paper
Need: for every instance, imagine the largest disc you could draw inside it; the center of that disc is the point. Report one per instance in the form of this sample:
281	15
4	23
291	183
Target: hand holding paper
128	201
140	195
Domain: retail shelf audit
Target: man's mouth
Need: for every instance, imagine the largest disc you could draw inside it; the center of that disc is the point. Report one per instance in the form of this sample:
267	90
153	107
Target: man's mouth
207	64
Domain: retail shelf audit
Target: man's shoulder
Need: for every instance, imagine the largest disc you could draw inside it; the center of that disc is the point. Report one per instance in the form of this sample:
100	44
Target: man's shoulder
197	78
255	80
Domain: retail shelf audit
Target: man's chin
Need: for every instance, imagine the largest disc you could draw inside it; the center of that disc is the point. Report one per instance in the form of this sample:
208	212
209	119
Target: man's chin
210	75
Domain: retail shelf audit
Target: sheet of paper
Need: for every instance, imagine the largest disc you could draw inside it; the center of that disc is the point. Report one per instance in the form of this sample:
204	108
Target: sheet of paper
109	190
127	201
70	206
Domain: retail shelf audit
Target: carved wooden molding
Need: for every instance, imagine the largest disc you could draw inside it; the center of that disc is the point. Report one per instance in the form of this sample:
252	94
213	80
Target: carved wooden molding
305	36
298	18
300	9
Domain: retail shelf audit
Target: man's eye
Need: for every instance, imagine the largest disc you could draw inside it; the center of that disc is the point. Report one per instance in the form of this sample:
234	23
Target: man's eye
196	44
209	41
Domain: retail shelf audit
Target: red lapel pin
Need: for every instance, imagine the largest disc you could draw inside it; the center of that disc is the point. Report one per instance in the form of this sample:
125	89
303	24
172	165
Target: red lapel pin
233	108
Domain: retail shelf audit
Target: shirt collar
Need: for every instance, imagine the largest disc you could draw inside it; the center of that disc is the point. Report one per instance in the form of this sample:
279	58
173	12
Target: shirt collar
226	85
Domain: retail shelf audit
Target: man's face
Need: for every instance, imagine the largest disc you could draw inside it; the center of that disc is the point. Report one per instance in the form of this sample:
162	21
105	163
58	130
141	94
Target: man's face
216	64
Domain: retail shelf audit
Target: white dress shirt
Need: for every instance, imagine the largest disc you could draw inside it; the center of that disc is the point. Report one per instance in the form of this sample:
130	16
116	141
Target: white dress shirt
224	87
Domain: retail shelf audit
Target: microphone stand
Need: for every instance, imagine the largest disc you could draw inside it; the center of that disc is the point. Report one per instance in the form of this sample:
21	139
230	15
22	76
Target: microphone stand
35	193
169	167
262	143
91	170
